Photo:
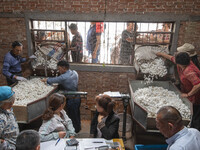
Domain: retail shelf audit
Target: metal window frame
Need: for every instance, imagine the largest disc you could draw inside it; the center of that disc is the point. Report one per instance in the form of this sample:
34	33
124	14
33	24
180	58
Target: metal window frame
147	17
146	43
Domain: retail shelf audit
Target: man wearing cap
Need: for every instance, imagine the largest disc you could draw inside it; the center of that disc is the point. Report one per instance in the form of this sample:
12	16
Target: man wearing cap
189	76
189	48
8	126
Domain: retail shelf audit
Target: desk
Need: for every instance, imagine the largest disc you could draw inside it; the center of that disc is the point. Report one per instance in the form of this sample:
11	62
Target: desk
50	145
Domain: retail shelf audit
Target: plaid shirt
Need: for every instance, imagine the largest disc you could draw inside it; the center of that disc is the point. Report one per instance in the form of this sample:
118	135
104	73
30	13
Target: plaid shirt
189	77
77	42
8	129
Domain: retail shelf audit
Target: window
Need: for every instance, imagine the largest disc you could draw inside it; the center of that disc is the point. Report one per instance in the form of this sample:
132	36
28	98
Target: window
113	42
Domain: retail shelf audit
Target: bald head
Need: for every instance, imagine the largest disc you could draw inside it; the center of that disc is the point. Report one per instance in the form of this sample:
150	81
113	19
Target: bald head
169	121
170	114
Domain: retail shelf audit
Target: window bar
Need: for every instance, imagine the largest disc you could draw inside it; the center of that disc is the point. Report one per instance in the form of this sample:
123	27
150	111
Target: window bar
46	25
85	45
115	38
66	40
171	33
134	41
77	51
148	34
156	40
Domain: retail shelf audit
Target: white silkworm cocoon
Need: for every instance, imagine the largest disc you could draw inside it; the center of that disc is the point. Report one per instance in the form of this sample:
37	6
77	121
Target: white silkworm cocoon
40	60
153	98
29	91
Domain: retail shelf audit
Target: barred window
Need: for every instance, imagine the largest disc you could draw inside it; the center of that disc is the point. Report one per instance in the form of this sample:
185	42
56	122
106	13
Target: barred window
97	42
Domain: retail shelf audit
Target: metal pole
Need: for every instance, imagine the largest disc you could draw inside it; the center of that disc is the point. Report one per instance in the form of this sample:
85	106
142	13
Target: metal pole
45	67
125	103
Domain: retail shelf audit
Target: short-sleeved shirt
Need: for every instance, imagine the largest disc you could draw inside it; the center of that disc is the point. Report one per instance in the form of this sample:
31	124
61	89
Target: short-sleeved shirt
126	47
91	38
68	80
189	77
77	42
12	64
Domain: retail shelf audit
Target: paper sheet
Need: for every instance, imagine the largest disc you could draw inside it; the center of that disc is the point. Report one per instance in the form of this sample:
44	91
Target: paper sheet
50	145
84	144
113	94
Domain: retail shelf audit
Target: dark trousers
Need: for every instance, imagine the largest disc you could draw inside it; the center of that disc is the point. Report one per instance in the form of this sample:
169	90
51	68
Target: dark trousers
73	111
77	56
12	81
196	117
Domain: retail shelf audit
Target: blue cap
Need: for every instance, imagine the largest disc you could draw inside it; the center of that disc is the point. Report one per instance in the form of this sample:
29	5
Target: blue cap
5	93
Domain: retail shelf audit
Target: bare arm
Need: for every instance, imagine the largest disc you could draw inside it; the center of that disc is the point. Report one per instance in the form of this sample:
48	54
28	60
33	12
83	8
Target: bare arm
96	47
194	90
169	57
129	39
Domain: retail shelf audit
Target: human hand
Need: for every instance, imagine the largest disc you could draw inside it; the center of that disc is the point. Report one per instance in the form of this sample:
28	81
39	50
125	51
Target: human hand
184	95
20	78
94	55
44	80
71	137
61	134
1	141
129	39
100	117
32	57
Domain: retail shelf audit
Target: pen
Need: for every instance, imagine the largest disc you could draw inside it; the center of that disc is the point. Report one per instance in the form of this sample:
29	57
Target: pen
57	141
97	142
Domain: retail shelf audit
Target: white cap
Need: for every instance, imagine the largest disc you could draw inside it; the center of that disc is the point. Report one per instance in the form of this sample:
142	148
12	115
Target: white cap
189	48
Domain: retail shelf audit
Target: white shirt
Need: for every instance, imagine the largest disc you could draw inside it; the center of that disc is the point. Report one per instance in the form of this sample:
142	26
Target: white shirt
186	139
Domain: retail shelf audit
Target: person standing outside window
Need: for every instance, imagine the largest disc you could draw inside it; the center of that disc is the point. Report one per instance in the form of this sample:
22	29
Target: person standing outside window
127	44
93	42
76	44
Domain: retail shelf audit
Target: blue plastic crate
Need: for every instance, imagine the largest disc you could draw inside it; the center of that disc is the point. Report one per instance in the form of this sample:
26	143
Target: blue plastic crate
150	147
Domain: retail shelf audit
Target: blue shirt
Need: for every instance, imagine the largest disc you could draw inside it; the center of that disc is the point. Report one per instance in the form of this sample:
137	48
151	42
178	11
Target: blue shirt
12	64
91	38
68	80
186	139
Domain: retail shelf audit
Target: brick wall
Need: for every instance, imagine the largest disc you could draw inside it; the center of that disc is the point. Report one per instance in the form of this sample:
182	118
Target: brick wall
113	6
98	82
190	32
